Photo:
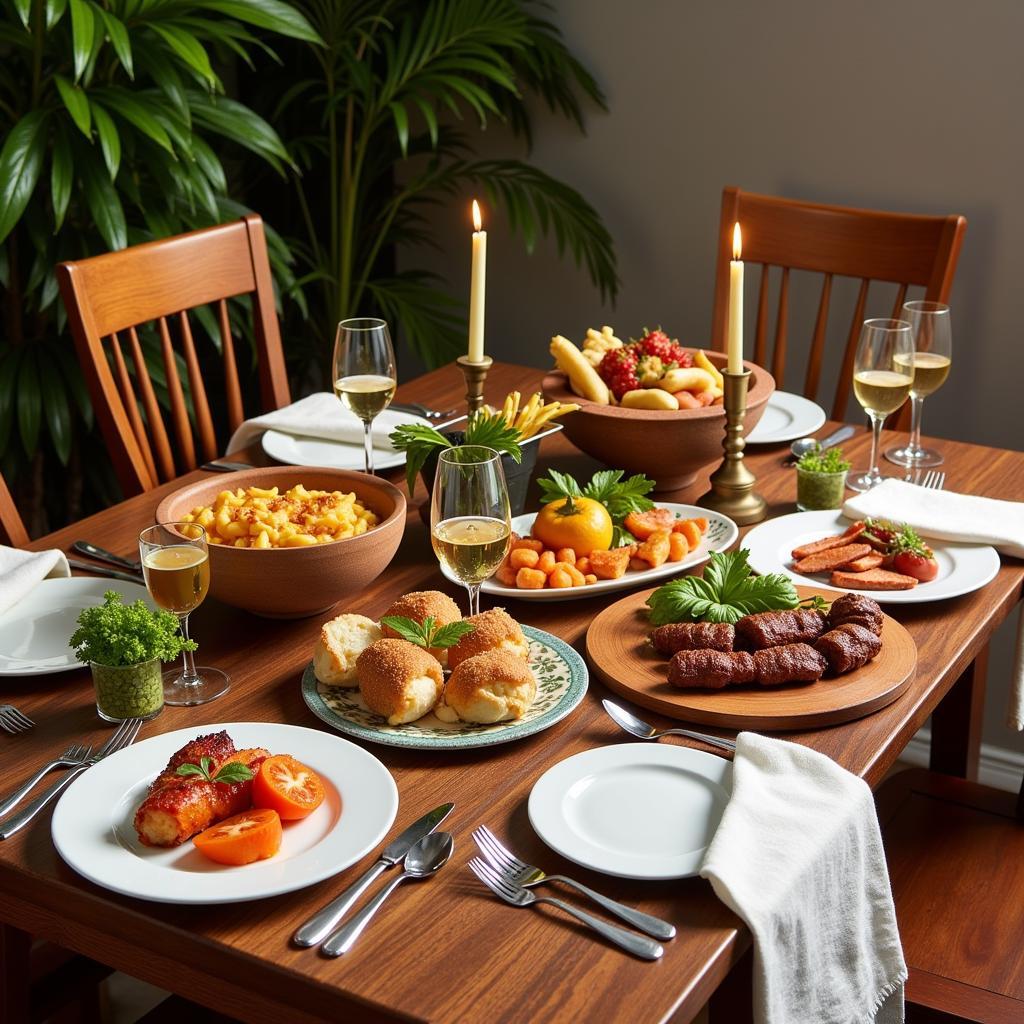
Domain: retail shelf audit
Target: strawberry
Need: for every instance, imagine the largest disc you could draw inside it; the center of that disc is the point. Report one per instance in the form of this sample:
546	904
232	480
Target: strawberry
618	369
657	343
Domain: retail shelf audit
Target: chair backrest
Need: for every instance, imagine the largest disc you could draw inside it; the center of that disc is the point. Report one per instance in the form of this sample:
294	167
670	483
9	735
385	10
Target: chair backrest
836	241
12	529
108	297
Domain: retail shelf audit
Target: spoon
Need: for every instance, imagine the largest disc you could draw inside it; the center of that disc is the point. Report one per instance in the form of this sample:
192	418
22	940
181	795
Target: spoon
644	731
806	444
424	859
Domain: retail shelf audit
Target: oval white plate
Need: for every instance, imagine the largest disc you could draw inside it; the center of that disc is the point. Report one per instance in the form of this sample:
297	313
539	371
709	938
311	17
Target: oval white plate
34	634
785	418
93	831
721	535
963	568
635	810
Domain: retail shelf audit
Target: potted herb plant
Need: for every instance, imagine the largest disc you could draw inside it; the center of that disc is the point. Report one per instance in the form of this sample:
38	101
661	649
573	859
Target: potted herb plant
124	645
821	479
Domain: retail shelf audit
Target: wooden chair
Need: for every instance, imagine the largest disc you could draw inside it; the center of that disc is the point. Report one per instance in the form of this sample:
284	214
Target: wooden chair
12	529
108	297
834	241
956	860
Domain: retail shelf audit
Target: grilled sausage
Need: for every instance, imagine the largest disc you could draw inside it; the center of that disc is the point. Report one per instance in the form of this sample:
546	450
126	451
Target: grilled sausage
693	636
773	629
710	670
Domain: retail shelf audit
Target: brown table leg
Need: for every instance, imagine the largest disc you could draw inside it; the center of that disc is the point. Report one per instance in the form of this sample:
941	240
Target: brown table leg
957	721
14	974
733	1000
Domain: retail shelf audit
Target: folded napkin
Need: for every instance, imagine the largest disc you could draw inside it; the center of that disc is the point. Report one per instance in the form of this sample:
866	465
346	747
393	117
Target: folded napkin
21	570
321	416
798	855
945	515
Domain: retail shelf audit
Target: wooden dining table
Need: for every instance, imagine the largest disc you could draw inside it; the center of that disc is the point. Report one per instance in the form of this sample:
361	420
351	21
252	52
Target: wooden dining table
447	950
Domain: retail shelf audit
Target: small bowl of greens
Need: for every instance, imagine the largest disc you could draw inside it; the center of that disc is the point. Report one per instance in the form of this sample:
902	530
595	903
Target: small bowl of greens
821	479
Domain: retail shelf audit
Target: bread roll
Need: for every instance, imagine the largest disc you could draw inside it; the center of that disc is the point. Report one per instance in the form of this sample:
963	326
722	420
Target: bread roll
495	630
492	687
420	605
341	642
399	680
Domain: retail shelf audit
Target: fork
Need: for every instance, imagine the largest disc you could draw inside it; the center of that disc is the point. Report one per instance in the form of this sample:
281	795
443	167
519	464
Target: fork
647	949
421	410
123	737
73	756
934	480
12	720
520	873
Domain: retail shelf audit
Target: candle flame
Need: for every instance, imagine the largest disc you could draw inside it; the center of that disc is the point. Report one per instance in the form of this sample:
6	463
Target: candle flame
476	216
737	241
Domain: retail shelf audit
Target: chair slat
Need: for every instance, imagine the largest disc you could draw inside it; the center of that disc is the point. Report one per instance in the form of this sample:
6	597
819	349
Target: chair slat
781	322
149	403
897	306
12	529
236	413
845	383
817	353
179	411
131	405
200	405
761	334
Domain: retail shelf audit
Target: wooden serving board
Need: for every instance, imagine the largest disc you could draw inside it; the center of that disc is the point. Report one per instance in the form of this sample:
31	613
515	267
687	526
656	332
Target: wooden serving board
620	655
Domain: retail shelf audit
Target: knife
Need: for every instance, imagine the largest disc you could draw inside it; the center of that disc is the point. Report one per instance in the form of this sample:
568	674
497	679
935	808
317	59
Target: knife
84	547
225	466
322	923
102	570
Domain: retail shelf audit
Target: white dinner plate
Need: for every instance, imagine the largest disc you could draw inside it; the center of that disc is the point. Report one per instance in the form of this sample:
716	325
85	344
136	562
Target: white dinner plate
635	810
721	535
785	418
963	568
34	633
92	826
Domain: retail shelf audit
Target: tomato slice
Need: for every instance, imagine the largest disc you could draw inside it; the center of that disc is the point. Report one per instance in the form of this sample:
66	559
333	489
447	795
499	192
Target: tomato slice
288	787
244	838
921	567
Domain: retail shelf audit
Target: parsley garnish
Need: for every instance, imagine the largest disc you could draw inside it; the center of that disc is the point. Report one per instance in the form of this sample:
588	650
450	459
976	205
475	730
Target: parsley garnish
233	771
429	634
828	461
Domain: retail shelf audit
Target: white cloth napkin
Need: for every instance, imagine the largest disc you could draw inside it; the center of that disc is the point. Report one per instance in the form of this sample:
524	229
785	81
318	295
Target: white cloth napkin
946	515
321	416
20	571
798	855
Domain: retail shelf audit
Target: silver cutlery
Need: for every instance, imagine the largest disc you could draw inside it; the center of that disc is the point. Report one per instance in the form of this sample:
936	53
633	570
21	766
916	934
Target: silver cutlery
322	923
12	720
421	410
806	444
102	570
518	872
225	466
934	480
516	895
424	859
76	754
645	731
84	547
123	737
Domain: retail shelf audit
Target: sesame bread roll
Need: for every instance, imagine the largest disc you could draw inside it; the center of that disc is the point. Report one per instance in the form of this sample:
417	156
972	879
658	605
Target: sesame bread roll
493	687
399	680
495	630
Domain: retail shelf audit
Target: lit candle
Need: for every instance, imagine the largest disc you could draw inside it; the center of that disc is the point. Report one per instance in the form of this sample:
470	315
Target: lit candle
735	327
477	288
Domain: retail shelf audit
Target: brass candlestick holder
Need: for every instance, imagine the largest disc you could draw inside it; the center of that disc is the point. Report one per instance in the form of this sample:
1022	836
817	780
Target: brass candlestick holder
732	484
476	375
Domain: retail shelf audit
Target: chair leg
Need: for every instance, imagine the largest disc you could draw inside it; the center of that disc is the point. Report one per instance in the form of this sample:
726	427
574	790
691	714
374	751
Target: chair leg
14	975
957	721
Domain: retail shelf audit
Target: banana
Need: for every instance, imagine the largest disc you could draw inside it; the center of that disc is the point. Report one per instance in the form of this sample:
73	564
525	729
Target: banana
701	360
692	378
649	398
582	376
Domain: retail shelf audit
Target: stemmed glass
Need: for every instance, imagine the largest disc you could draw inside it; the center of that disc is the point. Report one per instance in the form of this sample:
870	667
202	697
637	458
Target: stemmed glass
470	521
933	354
176	564
883	374
364	372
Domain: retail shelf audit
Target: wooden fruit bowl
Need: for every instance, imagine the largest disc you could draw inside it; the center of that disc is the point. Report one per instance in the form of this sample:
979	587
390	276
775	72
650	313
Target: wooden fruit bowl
669	447
292	583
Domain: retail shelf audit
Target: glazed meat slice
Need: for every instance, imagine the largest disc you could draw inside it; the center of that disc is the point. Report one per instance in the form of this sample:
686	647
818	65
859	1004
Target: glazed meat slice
825	561
693	636
710	670
791	663
773	629
837	541
217	746
848	646
856	609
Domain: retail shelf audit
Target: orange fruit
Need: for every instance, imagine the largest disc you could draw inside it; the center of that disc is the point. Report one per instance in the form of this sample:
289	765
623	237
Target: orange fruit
242	839
288	787
578	523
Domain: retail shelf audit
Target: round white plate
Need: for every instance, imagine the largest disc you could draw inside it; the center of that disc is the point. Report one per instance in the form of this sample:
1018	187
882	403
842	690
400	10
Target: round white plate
34	633
963	568
635	810
721	535
92	825
785	418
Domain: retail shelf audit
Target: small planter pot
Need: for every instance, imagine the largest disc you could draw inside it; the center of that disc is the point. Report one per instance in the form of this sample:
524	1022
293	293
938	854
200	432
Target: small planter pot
816	491
128	691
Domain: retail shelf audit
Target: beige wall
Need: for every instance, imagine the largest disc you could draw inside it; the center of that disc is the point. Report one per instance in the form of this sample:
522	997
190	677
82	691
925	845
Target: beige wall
909	105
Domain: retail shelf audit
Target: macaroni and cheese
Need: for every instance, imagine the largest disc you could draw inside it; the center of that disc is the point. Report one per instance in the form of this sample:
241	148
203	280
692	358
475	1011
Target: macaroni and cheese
260	517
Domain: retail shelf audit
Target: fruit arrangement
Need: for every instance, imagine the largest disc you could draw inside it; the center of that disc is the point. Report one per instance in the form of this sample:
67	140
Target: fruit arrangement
652	372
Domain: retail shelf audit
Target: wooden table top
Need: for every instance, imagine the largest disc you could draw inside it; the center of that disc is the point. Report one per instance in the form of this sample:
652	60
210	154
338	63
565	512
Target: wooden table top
442	950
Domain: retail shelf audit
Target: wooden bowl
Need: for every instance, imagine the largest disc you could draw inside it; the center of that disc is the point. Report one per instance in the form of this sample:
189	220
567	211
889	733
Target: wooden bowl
669	447
292	583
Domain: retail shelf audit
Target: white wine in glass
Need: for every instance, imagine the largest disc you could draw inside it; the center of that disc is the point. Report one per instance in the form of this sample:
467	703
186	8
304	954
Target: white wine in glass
364	373
932	359
883	374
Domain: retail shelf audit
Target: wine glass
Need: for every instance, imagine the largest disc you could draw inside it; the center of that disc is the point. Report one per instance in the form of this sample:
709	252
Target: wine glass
883	374
364	372
933	354
470	521
176	564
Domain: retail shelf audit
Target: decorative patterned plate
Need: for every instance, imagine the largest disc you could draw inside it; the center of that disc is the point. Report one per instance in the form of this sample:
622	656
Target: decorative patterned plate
561	683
